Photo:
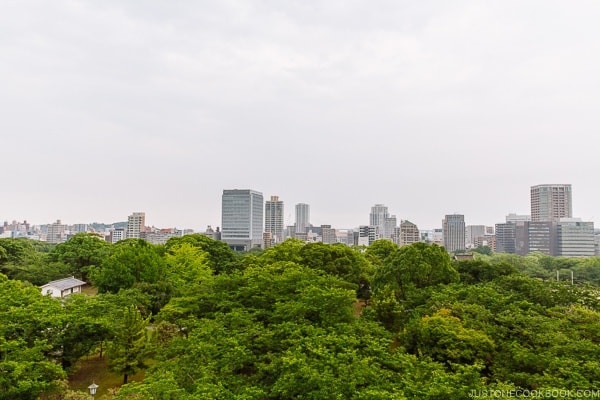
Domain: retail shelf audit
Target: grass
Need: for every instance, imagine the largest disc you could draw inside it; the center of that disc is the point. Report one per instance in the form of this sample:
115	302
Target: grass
358	307
89	290
95	369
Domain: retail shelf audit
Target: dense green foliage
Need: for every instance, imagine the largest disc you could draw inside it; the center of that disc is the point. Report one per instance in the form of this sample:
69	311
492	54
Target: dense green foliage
299	320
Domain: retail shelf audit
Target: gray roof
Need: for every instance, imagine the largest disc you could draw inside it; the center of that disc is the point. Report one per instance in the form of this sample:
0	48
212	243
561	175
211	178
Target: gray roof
66	283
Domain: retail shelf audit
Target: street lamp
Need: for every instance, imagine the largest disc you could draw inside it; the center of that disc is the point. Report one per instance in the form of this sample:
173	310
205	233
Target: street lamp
92	388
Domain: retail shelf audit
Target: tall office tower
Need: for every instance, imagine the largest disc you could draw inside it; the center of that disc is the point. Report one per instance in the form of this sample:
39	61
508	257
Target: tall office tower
274	219
242	218
551	202
574	238
473	233
302	217
379	213
409	233
506	241
541	237
136	223
521	233
56	232
389	225
453	227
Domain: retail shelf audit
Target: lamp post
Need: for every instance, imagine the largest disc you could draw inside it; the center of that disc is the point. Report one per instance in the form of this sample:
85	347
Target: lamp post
92	388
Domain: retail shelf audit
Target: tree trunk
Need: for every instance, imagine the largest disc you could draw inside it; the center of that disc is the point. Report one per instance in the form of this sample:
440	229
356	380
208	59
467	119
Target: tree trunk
124	379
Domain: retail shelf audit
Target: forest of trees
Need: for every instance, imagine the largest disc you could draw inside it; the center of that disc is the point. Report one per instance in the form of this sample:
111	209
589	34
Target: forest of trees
298	320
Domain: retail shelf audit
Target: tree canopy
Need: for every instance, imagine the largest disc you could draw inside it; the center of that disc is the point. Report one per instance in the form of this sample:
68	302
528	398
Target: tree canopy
298	320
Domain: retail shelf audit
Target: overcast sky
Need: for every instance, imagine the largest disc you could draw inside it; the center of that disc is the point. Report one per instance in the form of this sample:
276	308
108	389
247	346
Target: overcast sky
429	107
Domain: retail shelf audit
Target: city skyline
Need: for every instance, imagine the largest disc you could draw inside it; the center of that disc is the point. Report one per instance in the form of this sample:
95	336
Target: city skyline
430	108
291	220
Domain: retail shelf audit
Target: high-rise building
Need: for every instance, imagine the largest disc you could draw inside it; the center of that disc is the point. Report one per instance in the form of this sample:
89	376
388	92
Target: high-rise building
274	219
389	227
242	218
302	217
574	238
551	202
454	232
409	233
56	232
473	234
136	223
541	237
378	216
506	237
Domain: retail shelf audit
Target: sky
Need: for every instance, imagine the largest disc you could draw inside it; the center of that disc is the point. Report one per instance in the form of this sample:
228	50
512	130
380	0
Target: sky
429	107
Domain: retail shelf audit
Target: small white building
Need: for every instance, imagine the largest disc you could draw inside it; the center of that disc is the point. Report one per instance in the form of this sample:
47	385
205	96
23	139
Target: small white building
62	287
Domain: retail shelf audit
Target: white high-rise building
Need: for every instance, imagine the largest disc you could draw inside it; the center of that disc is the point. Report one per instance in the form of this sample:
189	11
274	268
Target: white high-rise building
242	218
551	202
56	232
136	223
378	216
454	232
274	219
302	217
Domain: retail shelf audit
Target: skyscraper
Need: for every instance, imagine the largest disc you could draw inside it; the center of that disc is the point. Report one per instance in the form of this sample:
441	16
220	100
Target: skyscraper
454	232
551	202
274	219
242	218
136	223
506	237
378	216
302	217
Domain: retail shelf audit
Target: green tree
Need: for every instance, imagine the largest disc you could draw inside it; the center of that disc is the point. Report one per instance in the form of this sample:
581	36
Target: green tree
131	261
187	267
22	259
474	271
29	335
415	266
289	250
129	348
443	337
220	257
341	261
80	252
87	323
379	250
487	250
